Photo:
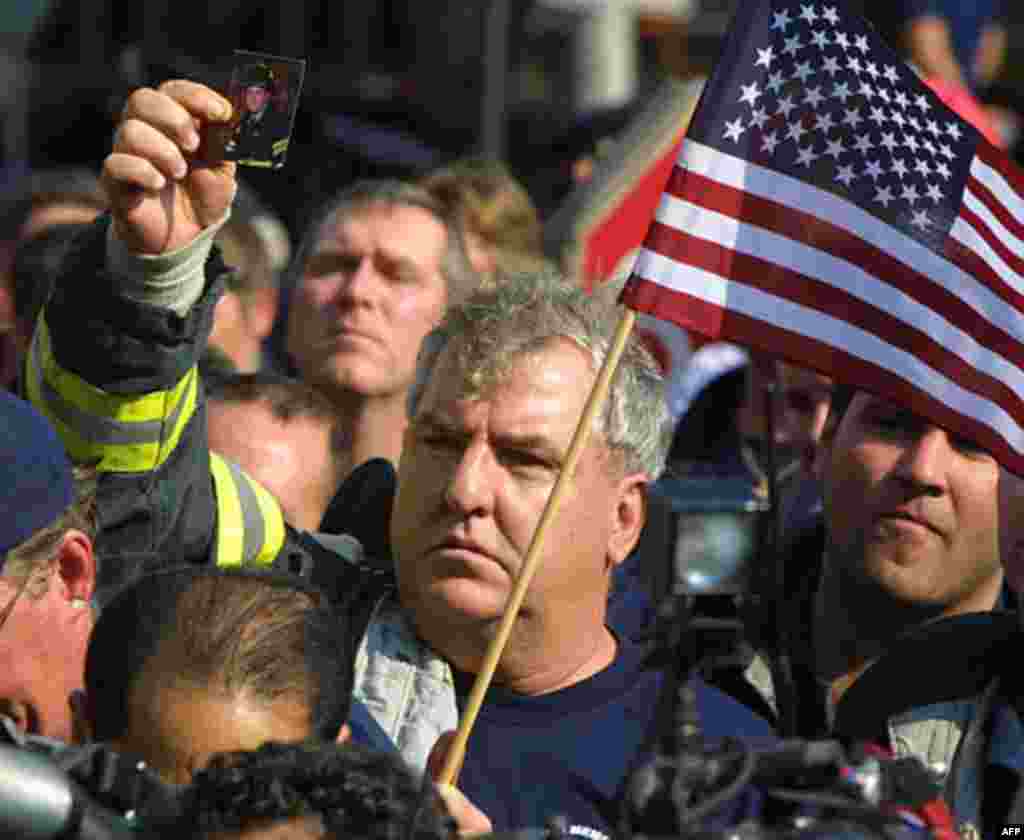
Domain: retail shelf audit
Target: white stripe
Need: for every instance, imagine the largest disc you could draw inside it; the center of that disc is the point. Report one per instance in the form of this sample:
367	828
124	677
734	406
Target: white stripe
796	256
1004	193
969	237
735	296
997	229
742	175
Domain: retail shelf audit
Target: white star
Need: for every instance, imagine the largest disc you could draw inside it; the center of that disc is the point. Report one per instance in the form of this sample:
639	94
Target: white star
785	105
844	174
814	97
830	65
853	64
910	193
883	94
796	132
862	44
769	142
807	13
910	141
765	57
805	157
883	195
775	82
852	118
835	148
877	116
824	122
819	39
873	170
841	40
934	193
921	219
792	45
953	130
901	99
898	118
943	171
889	141
841	92
831	15
803	72
946	152
899	168
929	147
922	103
734	129
781	20
867	90
932	128
758	117
923	168
750	93
872	70
891	76
913	123
863	144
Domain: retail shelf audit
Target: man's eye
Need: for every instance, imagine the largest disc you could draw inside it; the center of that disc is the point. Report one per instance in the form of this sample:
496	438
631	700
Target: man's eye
518	460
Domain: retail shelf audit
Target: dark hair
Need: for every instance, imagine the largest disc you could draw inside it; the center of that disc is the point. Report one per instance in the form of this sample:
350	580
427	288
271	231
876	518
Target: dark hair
357	792
267	634
287	399
37	263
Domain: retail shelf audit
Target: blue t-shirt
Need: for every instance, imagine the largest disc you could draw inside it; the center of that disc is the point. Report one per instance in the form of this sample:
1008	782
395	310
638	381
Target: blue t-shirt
568	753
366	730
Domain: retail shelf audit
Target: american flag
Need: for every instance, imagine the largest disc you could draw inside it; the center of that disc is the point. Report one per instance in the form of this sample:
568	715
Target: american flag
827	208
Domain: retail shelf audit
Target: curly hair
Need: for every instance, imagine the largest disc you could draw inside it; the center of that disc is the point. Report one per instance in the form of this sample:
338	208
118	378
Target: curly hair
356	792
524	313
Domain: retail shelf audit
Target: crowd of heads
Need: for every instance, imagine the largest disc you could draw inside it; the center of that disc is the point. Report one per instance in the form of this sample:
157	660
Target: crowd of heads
420	322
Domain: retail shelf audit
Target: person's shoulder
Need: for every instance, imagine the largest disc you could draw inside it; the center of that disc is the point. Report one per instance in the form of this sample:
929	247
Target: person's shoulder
722	715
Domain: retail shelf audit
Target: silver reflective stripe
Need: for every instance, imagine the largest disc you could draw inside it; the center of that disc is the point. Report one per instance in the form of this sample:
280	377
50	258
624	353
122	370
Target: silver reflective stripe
91	427
252	516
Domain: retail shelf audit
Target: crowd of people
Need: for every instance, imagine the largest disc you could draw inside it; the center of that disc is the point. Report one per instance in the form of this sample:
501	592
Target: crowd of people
262	511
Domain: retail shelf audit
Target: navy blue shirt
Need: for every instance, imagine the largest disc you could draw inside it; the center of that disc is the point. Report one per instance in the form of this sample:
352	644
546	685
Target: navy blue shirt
366	730
569	752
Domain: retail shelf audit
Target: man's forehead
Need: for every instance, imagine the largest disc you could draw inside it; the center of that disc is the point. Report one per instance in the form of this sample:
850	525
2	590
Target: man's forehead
353	220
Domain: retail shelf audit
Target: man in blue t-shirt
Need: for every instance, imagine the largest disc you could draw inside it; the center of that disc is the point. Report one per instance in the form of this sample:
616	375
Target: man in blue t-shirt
502	386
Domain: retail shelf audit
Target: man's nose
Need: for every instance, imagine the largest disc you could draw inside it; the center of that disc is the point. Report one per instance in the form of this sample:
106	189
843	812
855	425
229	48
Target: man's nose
925	461
470	486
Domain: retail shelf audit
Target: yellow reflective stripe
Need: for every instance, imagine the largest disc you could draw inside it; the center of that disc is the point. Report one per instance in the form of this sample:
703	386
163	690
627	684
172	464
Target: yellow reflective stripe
250	526
273	524
130	433
230	526
280	146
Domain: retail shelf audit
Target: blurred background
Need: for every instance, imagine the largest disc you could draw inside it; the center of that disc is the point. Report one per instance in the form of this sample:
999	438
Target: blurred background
392	86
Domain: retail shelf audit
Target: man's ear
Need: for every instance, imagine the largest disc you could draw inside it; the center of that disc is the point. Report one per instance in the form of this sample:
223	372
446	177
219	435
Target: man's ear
259	307
343	734
629	517
76	566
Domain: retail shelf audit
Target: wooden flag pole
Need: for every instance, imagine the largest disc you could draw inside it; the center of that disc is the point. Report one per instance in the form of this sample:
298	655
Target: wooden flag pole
457	750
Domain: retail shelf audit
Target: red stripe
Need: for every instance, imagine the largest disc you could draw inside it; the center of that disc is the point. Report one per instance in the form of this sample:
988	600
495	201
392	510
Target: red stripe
816	232
985	195
991	277
809	352
781	282
995	242
1003	165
